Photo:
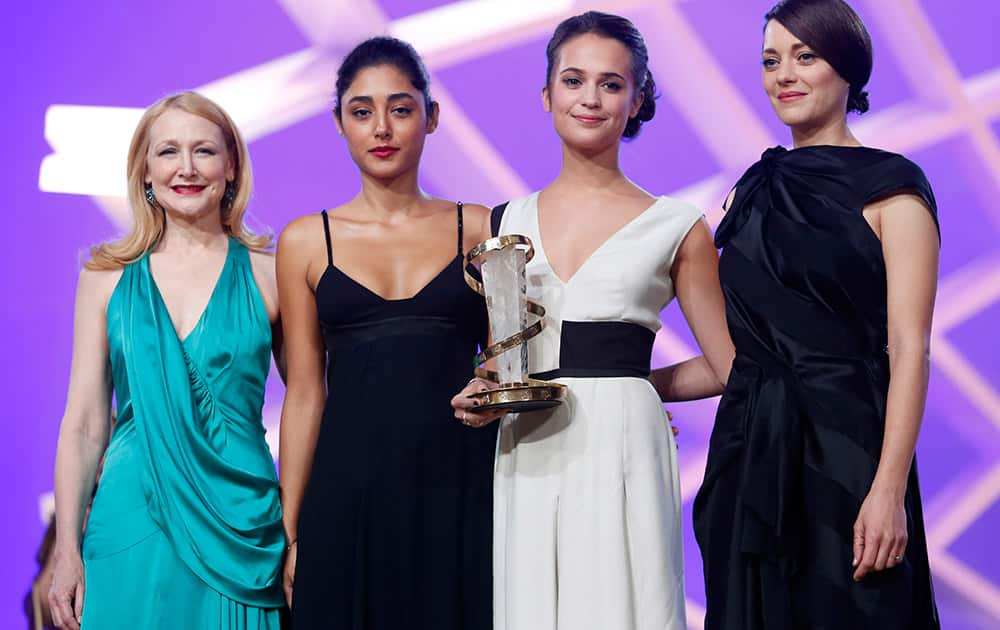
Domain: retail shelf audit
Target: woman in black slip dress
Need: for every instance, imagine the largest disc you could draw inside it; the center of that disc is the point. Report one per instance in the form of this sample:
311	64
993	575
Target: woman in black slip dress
387	501
809	515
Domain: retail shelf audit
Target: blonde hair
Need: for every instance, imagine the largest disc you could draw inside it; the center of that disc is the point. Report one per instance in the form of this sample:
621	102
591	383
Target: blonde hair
149	221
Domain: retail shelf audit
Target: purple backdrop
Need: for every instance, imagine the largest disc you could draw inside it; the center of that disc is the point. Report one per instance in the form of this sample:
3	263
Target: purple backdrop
935	94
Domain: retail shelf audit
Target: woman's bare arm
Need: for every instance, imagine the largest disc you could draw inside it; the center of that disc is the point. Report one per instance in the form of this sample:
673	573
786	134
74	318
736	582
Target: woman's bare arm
83	437
305	394
265	275
910	247
695	274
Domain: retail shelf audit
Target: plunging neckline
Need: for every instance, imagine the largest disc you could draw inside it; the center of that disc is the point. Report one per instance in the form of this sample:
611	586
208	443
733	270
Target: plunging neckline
370	291
540	246
208	304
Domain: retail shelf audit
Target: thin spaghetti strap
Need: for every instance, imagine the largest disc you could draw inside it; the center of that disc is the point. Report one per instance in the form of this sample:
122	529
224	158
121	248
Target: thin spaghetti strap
326	231
461	242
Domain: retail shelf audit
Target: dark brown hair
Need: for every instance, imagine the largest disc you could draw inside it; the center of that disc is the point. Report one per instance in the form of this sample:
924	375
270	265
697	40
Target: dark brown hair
834	30
619	29
384	51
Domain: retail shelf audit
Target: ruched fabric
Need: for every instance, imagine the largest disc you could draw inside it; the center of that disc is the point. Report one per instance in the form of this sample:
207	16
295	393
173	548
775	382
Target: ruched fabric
798	434
185	530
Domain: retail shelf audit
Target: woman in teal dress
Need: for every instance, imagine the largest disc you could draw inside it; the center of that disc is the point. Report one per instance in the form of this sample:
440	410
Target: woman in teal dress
178	320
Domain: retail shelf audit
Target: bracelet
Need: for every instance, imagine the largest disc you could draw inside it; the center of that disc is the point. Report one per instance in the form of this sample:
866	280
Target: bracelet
291	544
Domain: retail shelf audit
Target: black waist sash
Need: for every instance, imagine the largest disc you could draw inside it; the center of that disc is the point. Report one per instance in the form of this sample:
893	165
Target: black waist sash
602	349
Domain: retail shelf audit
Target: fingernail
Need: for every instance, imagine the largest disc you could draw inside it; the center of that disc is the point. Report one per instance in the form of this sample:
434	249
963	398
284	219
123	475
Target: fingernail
854	562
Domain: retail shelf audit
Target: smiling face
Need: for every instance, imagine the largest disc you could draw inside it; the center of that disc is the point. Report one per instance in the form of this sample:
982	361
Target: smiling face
187	164
804	89
385	121
592	92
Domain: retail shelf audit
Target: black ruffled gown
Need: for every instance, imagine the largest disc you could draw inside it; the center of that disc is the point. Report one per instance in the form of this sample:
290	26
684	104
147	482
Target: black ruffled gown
798	435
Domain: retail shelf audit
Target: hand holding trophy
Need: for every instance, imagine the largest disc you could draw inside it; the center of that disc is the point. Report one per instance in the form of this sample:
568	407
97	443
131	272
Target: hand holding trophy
501	261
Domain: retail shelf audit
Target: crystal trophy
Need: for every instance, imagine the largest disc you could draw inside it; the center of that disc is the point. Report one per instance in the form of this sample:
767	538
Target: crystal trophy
500	262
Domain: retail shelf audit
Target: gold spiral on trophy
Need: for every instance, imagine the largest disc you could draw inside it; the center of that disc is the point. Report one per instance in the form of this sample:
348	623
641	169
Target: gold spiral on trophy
530	393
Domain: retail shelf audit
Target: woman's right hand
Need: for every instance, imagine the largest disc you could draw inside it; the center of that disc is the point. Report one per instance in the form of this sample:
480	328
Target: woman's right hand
289	582
66	592
464	405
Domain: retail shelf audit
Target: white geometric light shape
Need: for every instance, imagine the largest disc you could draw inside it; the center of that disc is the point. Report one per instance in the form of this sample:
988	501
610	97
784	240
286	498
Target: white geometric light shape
457	23
91	147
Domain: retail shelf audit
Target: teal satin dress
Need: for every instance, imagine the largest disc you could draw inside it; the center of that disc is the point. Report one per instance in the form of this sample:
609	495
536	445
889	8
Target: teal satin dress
185	529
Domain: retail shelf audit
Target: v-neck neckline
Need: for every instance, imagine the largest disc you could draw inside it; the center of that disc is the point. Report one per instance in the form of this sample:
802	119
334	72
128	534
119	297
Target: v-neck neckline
208	304
540	246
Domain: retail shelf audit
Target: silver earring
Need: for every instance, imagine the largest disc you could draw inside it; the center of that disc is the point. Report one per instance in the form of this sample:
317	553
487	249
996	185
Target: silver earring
150	197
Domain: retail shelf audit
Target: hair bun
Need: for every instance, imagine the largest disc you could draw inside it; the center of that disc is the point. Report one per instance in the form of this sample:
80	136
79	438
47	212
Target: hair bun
646	111
858	102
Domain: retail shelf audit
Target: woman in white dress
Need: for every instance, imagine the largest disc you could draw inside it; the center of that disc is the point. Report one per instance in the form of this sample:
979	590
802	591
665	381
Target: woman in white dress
587	501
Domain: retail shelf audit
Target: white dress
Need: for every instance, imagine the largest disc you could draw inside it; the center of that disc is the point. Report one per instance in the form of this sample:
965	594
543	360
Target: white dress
587	499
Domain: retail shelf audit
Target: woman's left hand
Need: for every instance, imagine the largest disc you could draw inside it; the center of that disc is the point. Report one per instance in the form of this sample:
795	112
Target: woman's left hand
879	533
465	406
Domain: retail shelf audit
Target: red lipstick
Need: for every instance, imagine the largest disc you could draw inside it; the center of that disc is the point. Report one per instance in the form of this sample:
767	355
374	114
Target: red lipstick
187	189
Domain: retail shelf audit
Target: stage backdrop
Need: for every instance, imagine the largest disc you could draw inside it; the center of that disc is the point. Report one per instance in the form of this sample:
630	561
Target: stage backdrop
83	71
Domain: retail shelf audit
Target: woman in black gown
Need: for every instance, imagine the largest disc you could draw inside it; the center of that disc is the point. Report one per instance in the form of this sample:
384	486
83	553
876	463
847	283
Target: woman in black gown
387	501
809	515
